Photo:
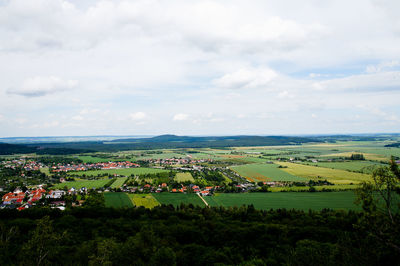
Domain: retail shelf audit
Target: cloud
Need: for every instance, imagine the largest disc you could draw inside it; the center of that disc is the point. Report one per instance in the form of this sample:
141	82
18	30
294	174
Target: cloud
137	116
246	78
382	66
77	118
180	117
41	86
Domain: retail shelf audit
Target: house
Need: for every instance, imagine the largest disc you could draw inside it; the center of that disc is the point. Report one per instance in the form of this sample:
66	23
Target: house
55	194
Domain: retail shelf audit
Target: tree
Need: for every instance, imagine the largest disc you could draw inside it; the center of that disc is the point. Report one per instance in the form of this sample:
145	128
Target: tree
42	244
380	203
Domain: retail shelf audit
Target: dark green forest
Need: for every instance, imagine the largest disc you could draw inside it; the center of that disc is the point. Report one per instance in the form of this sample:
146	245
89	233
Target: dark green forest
189	236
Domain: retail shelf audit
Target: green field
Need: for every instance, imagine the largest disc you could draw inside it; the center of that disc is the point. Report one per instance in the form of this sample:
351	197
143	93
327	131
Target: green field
117	200
359	166
119	182
265	172
83	183
120	172
177	198
318	188
143	200
289	200
93	159
182	177
335	176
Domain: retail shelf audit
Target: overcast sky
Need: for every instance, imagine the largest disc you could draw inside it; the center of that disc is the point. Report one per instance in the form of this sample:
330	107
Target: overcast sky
199	67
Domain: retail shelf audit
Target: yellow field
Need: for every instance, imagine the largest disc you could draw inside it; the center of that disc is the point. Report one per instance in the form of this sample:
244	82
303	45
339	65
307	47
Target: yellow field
368	156
145	200
334	176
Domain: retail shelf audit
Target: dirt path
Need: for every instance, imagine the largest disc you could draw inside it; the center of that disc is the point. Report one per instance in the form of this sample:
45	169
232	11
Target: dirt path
205	202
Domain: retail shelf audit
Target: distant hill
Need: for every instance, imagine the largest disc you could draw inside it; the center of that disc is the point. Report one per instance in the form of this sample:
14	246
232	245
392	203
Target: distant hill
158	142
9	149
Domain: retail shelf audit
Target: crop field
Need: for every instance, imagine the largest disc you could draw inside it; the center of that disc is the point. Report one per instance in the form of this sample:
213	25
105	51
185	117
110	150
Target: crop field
182	177
121	172
289	200
265	172
117	200
93	159
335	176
359	166
143	200
83	183
177	198
318	188
368	156
119	182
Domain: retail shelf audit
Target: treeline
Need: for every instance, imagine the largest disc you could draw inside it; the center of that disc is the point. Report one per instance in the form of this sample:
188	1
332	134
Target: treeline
9	149
187	235
172	142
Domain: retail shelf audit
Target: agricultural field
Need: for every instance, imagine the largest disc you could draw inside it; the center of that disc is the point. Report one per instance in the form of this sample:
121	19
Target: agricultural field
177	198
265	172
119	182
357	166
120	172
143	200
182	177
289	200
335	176
94	159
117	200
317	188
83	183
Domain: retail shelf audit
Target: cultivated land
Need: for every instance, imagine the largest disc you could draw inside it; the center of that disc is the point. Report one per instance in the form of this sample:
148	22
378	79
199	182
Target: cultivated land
357	166
120	172
289	200
182	177
143	200
335	176
117	200
119	182
177	198
265	172
83	183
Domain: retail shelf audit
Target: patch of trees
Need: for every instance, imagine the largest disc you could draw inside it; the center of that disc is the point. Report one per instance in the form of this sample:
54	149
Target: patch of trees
357	157
393	145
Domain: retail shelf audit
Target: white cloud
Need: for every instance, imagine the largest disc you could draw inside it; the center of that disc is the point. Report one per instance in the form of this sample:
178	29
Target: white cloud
246	78
180	117
77	118
137	116
41	86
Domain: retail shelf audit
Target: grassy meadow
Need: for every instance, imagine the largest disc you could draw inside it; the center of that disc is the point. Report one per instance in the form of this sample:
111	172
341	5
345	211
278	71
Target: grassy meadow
182	177
119	182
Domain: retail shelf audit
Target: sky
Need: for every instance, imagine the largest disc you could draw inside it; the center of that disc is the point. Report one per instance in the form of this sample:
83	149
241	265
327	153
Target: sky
149	67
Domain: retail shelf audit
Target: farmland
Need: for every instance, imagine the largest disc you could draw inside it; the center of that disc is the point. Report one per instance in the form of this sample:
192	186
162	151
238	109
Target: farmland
120	172
117	200
357	166
119	182
143	200
265	172
177	198
83	183
335	176
182	177
289	200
